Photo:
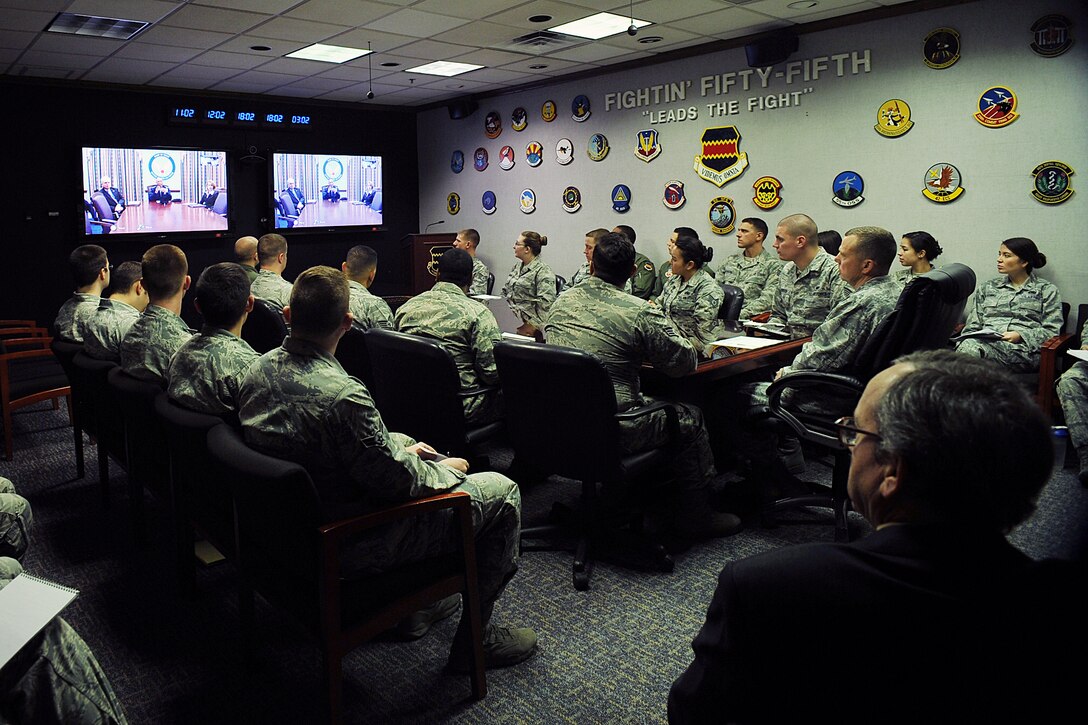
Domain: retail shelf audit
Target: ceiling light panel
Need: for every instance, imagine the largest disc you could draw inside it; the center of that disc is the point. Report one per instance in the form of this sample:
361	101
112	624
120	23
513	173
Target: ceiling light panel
599	26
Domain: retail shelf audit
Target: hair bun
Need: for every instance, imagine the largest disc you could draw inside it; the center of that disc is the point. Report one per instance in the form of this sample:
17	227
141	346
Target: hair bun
708	254
543	240
1039	262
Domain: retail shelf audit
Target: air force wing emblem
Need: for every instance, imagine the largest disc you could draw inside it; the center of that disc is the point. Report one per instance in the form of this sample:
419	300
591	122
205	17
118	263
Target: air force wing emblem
579	108
519	119
479	159
943	183
492	124
648	145
941	48
564	151
1050	36
534	153
721	160
506	158
598	147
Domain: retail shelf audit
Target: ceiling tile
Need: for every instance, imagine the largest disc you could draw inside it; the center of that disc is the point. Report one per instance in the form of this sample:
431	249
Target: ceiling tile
475	10
183	80
379	42
53	6
38	72
270	7
346	73
344	12
498	75
219	19
417	24
202	72
150	11
15	39
590	52
483	33
222	59
664	11
43	59
312	87
303	31
243	43
728	23
150	51
667	34
494	58
28	20
201	39
856	7
780	8
126	70
560	12
55	43
254	81
431	50
554	65
296	66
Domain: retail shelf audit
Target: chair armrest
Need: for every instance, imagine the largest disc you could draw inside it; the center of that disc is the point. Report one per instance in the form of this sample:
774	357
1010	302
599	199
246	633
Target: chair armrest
761	317
802	380
17	323
38	347
337	531
29	331
672	421
479	390
1050	368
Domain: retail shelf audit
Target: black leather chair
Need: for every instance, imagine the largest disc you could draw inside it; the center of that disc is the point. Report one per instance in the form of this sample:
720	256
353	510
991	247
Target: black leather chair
928	310
65	353
560	283
103	416
352	353
286	532
264	329
490	282
732	303
418	392
563	419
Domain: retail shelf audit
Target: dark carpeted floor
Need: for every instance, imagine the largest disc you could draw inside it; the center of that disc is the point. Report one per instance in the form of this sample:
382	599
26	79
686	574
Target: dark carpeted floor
606	655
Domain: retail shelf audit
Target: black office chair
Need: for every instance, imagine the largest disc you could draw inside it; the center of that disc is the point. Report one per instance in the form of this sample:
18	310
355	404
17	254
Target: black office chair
563	419
287	532
490	282
560	283
352	353
732	303
264	329
65	353
418	392
103	416
925	315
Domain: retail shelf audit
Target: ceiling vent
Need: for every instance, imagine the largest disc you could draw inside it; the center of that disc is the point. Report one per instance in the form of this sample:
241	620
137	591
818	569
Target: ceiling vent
542	41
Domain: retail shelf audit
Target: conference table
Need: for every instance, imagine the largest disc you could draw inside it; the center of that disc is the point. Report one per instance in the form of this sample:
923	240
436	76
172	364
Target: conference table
343	213
149	217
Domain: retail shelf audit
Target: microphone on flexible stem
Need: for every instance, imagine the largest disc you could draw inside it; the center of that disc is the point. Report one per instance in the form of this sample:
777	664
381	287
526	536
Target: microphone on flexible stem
440	221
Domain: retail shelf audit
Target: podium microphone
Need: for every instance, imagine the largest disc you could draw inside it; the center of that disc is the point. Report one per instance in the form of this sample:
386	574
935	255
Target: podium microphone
440	221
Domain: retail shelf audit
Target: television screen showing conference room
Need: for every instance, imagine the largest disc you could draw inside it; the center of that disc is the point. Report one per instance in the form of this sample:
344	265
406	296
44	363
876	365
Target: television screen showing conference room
154	191
327	191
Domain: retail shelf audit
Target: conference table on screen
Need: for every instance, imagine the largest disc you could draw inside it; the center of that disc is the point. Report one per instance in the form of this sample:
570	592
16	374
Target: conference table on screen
341	213
176	217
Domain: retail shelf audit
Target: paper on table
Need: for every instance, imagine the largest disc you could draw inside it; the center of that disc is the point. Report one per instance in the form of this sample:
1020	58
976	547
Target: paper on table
984	334
1079	354
745	343
26	605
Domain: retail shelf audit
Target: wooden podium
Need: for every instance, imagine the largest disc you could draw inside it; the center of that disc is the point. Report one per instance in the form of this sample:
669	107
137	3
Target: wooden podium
422	252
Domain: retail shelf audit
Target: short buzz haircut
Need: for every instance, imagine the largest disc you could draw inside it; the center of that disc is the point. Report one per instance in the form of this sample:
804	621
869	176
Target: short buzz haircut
685	232
613	258
455	267
270	246
758	224
975	448
877	244
627	231
802	225
597	234
360	260
164	268
319	301
244	249
470	235
86	262
124	276
222	292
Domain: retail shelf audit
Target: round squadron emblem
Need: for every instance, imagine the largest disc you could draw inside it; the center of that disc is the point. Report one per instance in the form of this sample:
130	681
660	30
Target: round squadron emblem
548	111
534	153
598	147
997	107
767	190
506	158
457	161
453	203
528	201
893	118
579	108
489	202
479	159
572	199
564	151
941	48
1052	184
722	215
674	194
621	198
519	119
943	183
848	187
1050	36
492	124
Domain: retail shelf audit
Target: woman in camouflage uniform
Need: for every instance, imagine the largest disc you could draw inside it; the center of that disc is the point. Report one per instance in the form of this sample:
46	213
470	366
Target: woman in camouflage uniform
917	250
530	288
691	298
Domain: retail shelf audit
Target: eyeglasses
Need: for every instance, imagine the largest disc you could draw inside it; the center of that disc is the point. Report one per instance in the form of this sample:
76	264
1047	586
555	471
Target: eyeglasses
849	434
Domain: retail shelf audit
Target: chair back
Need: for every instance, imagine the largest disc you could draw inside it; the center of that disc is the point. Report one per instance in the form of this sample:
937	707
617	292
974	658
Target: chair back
103	206
560	283
376	202
560	407
490	282
352	353
732	302
219	206
103	418
145	443
65	353
264	329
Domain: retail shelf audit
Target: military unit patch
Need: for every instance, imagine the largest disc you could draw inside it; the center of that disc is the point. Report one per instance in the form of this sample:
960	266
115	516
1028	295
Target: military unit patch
453	203
547	111
941	48
528	201
649	148
997	107
564	151
506	158
722	215
519	119
943	183
1050	35
848	187
457	161
489	202
493	124
572	199
598	147
621	198
1052	185
767	190
893	118
721	160
479	159
534	153
674	194
579	108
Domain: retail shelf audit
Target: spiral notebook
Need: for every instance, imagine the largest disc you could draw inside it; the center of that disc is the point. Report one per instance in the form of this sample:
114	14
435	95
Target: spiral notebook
27	604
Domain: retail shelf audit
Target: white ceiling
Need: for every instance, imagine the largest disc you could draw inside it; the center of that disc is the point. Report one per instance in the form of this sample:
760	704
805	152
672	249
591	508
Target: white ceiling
205	45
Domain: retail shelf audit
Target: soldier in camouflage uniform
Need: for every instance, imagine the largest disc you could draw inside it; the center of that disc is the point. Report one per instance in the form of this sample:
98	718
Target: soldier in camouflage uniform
156	336
591	241
469	240
270	285
15	520
917	250
245	254
531	287
1073	394
624	331
809	285
368	310
298	403
664	270
103	331
755	270
642	284
465	328
207	370
1024	308
691	298
91	274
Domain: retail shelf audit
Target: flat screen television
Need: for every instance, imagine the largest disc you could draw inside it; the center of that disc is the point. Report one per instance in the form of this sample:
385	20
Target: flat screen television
154	191
326	191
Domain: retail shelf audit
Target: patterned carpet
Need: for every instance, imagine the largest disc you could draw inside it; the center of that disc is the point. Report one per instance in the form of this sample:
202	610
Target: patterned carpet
606	655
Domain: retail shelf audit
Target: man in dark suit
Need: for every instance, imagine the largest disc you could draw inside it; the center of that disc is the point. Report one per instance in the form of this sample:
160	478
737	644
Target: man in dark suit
114	196
934	616
331	193
160	193
296	195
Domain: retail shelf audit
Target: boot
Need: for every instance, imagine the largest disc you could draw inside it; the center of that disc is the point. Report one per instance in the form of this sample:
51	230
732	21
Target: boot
694	518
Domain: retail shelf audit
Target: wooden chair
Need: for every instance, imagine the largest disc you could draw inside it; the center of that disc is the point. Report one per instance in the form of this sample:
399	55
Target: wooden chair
1053	361
29	374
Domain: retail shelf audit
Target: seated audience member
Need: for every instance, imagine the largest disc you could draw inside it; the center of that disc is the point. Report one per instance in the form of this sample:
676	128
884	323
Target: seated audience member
208	368
642	284
464	328
664	270
830	240
113	195
296	195
245	254
155	337
104	330
582	273
331	193
1073	394
211	193
16	518
530	288
692	297
368	310
624	332
159	194
297	403
809	284
469	240
934	616
270	285
368	195
1021	307
917	250
91	273
754	270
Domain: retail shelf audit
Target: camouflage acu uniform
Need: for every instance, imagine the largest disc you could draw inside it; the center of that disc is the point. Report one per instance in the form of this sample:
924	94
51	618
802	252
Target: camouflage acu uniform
103	331
54	678
804	297
251	271
756	276
367	309
1034	310
904	275
207	371
271	288
73	313
664	274
151	342
1073	394
480	274
642	284
465	329
623	331
692	307
15	520
580	275
297	403
530	291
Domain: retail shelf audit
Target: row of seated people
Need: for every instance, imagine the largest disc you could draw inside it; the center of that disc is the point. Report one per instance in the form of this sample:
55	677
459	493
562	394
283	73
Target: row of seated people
296	197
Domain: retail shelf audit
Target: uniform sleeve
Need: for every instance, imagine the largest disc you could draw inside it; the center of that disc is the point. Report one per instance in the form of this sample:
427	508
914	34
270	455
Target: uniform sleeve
840	290
976	318
645	278
383	314
485	333
834	342
779	313
705	313
479	280
659	281
761	302
667	350
536	311
1051	323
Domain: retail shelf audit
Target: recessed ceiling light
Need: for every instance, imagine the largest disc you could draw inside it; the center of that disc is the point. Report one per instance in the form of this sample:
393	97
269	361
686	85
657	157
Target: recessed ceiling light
539	18
443	68
260	47
538	66
803	5
651	39
328	53
390	64
115	28
599	26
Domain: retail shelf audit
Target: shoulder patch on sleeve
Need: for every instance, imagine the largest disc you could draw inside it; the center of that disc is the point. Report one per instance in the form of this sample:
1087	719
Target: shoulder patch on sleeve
648	267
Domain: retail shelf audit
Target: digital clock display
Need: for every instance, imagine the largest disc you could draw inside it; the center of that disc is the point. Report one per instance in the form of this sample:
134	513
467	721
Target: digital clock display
300	120
215	116
273	118
245	117
182	115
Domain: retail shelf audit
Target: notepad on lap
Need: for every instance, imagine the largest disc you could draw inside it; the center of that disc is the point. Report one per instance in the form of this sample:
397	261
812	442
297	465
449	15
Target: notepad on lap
26	605
744	343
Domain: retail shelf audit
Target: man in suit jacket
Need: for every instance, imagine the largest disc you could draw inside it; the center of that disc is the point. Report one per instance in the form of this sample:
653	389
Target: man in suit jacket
934	616
296	195
113	195
160	193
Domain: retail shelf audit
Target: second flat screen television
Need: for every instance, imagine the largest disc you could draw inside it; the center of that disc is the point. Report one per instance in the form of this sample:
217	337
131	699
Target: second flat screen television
327	191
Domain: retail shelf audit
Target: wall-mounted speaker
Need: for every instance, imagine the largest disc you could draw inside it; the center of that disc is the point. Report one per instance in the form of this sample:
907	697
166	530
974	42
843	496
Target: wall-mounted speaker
770	50
462	108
